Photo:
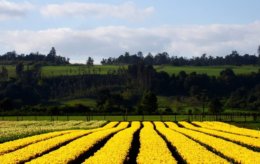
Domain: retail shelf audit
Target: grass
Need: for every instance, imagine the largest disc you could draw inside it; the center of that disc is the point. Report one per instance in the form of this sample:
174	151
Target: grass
84	101
49	71
210	70
130	118
182	107
187	104
11	70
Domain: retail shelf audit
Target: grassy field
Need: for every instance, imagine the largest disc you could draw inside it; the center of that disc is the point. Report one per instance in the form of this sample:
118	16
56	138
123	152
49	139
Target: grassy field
131	118
186	105
11	70
48	71
84	101
104	69
210	70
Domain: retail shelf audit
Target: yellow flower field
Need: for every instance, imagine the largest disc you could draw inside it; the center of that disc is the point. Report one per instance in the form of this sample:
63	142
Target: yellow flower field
141	142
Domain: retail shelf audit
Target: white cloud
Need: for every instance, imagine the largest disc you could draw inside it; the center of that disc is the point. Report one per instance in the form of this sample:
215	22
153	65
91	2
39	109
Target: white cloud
127	10
10	10
112	41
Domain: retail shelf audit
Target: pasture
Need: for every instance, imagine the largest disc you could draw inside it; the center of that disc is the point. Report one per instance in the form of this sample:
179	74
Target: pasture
209	70
50	71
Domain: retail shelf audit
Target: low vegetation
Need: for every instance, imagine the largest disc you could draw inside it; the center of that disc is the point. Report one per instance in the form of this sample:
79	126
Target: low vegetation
10	130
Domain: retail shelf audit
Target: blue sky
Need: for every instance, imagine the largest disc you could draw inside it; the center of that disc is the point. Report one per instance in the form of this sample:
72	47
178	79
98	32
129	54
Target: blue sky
82	28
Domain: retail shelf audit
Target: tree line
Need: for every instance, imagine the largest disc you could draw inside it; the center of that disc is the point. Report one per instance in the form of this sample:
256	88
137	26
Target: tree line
234	58
49	59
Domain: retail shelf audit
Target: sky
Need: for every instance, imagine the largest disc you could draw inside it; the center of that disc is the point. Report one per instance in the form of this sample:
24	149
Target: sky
101	29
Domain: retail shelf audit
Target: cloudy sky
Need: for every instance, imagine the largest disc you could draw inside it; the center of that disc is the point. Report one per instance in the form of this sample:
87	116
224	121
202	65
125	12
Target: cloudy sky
99	28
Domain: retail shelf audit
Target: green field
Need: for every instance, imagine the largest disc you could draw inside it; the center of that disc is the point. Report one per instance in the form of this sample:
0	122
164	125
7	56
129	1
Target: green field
11	70
83	101
235	119
104	69
210	70
186	105
48	71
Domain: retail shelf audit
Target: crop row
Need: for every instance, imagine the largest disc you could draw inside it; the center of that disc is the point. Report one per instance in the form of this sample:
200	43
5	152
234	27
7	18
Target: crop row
220	126
76	148
234	152
252	142
16	144
189	150
117	148
42	144
113	144
39	148
11	130
153	148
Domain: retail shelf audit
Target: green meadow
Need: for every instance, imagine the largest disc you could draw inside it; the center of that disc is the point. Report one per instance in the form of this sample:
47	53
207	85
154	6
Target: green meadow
68	70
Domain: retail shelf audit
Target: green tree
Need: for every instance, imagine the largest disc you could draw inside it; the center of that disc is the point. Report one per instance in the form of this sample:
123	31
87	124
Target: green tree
215	106
19	69
102	98
149	102
3	74
258	51
90	61
52	52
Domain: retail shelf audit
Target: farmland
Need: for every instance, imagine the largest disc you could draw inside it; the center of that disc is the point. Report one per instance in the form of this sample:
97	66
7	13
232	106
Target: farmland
209	70
50	71
139	142
10	130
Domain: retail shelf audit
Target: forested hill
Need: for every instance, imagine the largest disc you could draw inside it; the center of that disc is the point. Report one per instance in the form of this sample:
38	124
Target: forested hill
163	58
50	59
29	86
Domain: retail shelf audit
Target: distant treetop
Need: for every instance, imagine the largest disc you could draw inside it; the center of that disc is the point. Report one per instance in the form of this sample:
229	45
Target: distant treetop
204	60
50	59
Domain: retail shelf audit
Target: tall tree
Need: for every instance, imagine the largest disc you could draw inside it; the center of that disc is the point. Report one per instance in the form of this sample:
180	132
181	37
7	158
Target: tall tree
258	51
149	102
215	106
90	61
19	69
52	52
4	74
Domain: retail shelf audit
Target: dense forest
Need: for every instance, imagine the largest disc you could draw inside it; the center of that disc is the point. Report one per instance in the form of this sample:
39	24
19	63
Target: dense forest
132	89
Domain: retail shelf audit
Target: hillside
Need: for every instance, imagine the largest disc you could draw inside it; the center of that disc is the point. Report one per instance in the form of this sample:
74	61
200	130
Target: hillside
68	70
